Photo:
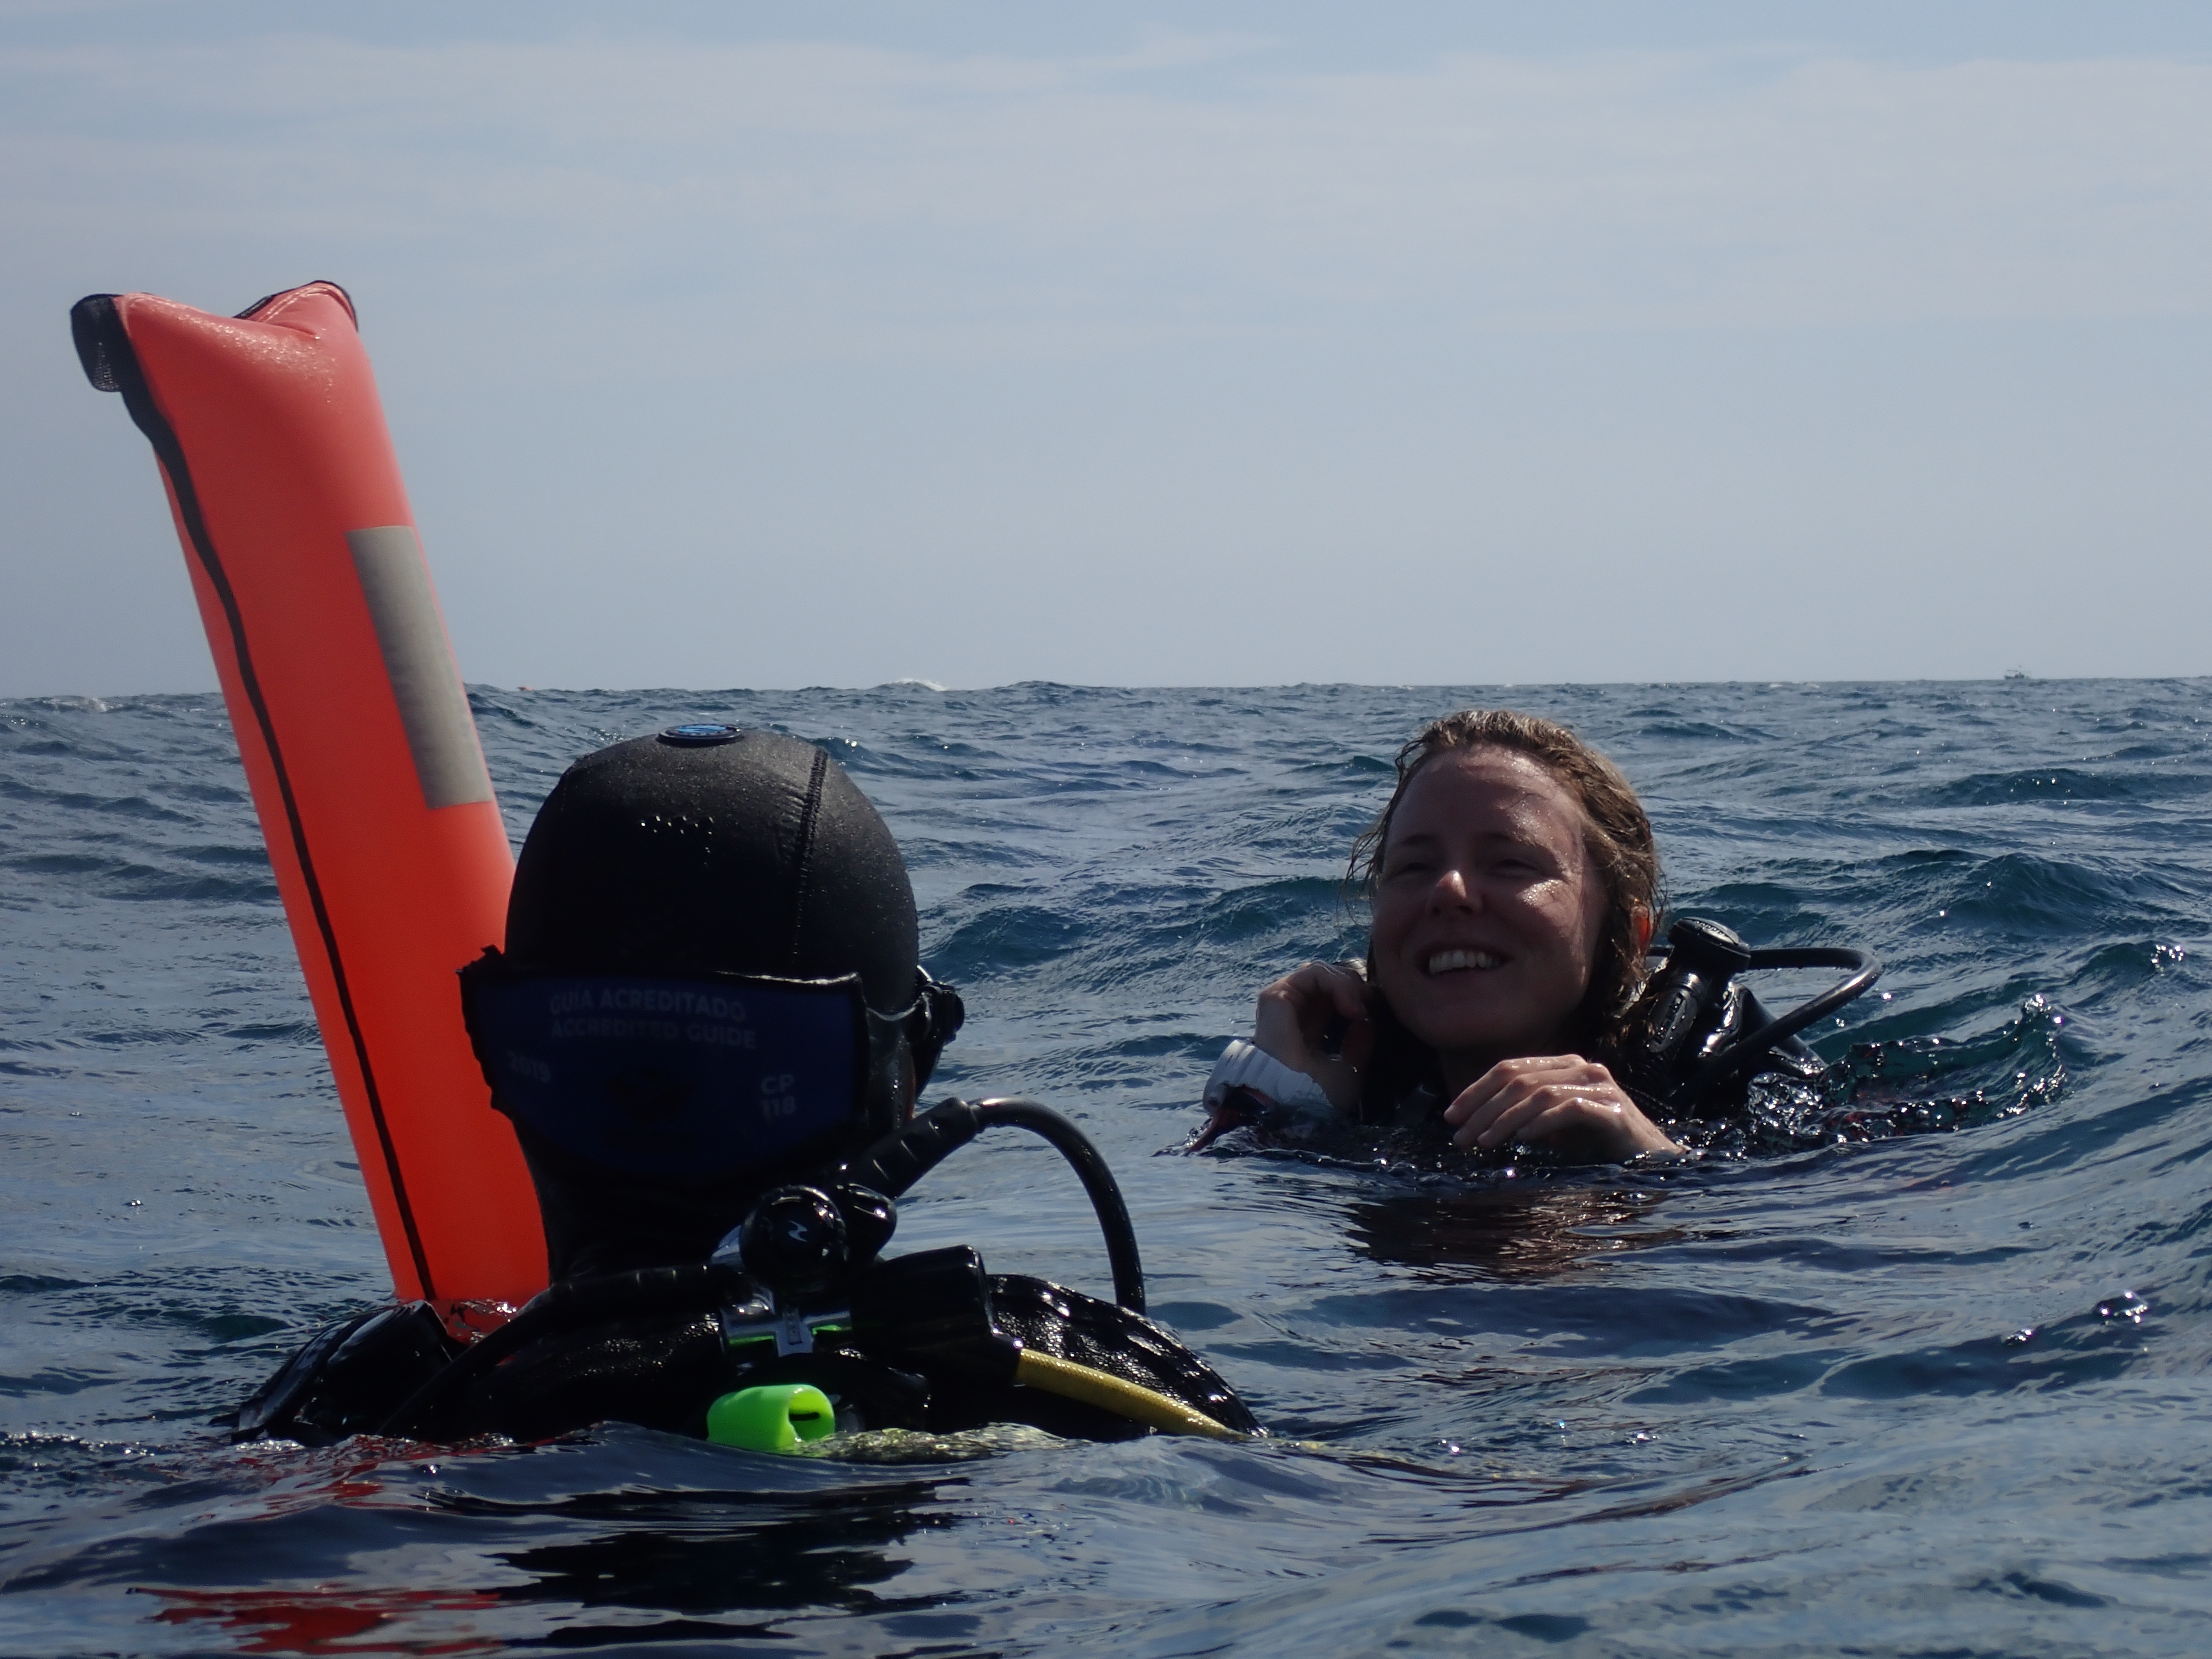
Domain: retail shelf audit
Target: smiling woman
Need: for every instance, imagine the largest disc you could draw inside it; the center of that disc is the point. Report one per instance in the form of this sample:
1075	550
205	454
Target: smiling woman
1514	886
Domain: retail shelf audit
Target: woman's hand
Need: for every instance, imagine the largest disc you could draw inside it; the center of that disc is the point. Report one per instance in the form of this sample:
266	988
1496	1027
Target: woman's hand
1562	1100
1298	1008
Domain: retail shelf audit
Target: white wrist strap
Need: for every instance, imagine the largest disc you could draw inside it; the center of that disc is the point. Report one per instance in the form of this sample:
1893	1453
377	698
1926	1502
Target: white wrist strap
1244	1065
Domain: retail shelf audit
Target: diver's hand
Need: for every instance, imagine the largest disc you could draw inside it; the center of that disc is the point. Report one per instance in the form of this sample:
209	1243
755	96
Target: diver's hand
1564	1100
1297	1009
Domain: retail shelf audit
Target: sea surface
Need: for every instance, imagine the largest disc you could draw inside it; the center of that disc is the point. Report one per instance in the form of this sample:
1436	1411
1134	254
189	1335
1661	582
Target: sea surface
1922	1372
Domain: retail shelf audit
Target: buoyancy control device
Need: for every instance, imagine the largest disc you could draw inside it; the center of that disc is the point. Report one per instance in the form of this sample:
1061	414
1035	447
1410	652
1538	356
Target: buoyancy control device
799	1298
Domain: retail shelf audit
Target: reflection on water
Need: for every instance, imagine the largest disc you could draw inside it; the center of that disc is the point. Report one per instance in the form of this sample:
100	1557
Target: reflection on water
325	1619
634	1562
708	1552
1505	1231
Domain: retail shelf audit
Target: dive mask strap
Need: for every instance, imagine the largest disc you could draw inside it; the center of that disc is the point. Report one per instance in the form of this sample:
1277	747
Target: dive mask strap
931	1021
678	1076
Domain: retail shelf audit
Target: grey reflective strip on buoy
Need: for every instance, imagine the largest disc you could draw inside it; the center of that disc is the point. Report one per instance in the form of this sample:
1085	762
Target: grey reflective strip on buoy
395	580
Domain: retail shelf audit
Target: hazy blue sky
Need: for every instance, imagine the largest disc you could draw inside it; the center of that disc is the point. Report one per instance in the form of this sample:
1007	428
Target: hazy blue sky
779	344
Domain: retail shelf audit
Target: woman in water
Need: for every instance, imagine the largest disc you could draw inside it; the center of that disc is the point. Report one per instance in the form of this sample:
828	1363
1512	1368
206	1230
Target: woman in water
1513	886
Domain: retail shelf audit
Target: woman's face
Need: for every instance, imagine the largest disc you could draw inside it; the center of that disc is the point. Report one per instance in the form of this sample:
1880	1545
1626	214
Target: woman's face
1487	911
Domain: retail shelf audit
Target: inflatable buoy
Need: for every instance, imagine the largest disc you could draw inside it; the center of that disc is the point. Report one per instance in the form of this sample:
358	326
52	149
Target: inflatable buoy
365	766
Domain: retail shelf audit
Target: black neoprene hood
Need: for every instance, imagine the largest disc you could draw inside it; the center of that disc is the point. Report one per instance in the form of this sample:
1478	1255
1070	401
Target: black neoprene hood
756	855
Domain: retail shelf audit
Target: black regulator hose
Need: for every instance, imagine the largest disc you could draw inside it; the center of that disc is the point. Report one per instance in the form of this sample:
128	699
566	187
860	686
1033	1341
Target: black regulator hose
1098	1184
897	1162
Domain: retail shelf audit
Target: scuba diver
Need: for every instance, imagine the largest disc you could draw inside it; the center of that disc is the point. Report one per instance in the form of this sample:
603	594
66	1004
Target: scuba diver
709	1028
1507	994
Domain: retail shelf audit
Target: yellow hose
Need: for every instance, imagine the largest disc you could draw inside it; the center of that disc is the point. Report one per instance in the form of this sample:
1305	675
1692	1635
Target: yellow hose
1110	1393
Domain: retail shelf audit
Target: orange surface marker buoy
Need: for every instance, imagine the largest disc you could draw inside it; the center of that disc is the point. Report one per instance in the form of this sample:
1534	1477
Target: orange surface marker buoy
357	739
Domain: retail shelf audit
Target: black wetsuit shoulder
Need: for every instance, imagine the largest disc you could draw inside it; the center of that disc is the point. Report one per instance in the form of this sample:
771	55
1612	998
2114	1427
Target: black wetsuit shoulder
660	1371
663	1371
348	1377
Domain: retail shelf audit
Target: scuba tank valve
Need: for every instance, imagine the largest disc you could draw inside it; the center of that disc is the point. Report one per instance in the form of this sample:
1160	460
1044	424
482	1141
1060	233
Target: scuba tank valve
1702	957
1691	1046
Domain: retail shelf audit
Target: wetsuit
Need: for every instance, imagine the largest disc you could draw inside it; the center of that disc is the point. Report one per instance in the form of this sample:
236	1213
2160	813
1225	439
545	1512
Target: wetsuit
1245	1069
662	1370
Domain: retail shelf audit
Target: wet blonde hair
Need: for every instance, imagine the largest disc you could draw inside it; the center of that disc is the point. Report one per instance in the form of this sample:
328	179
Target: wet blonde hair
1615	832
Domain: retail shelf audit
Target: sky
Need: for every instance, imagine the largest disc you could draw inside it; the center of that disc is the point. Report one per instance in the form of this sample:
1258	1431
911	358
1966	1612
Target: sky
783	344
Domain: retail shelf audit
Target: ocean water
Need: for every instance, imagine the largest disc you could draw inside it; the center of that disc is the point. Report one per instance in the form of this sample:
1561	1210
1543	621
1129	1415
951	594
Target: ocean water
1925	1375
